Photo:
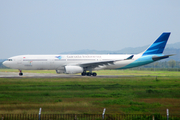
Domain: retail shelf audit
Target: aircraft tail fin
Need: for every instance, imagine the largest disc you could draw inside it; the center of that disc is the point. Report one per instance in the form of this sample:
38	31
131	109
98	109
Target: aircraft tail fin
158	46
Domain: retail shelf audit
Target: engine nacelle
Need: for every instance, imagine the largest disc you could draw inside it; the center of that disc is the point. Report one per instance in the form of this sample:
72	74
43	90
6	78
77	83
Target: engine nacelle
60	71
73	69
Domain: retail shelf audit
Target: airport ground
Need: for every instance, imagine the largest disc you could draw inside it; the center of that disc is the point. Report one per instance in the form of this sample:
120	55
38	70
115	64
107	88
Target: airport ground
130	92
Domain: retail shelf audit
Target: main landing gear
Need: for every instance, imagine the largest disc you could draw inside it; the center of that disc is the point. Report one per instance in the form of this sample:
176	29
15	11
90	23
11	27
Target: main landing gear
20	73
88	73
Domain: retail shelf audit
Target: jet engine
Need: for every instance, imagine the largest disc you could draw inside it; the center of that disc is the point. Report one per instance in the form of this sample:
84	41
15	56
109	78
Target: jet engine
73	69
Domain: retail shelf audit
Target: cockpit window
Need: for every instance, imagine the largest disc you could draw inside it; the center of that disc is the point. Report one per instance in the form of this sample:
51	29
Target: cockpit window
9	60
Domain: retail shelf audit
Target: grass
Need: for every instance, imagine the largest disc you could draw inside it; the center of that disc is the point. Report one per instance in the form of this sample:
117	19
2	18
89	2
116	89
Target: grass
133	95
107	72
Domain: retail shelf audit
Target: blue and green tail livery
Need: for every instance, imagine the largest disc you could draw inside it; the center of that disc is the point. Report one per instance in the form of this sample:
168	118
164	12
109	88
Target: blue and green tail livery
158	46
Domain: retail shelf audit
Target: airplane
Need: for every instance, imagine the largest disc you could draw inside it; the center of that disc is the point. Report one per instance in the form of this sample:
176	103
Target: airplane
71	64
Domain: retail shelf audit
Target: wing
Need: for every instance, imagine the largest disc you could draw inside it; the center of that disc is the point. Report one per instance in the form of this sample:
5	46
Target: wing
96	64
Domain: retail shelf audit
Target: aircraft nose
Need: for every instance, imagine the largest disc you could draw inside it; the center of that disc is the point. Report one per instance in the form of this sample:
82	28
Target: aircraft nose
5	63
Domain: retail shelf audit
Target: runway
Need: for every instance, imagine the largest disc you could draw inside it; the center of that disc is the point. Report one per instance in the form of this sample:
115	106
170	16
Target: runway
44	75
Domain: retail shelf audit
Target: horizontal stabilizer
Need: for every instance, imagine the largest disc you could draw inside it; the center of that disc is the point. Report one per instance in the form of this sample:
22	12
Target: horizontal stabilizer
155	58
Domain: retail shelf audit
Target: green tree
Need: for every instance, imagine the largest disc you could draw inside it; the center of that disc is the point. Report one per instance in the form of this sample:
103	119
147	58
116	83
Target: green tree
156	65
172	63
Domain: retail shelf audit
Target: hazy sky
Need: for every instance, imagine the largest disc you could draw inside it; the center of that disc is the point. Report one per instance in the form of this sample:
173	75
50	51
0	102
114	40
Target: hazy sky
55	26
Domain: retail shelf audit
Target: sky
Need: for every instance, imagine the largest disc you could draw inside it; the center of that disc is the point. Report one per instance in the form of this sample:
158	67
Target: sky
56	26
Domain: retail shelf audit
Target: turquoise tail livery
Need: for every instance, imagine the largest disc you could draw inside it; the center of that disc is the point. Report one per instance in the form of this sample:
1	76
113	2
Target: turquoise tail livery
152	53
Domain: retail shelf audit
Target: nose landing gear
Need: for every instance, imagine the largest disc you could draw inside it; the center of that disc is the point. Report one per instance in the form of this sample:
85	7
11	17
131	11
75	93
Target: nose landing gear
20	73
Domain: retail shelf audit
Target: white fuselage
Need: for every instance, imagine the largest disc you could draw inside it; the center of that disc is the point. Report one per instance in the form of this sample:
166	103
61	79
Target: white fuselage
52	62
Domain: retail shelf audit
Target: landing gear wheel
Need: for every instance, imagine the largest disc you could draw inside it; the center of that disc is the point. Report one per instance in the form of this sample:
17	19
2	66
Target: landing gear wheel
20	74
83	74
94	74
88	74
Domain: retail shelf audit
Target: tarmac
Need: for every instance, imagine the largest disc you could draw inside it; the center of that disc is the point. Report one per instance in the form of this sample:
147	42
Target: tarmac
41	75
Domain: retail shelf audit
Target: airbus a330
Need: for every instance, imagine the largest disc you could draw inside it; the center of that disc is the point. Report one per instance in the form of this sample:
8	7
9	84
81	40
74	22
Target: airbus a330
86	64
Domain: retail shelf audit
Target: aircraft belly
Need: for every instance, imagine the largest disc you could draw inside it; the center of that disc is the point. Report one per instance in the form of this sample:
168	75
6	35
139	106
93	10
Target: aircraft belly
119	64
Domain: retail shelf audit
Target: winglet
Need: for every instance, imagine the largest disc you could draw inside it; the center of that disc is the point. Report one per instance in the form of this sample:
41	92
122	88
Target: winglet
130	57
158	46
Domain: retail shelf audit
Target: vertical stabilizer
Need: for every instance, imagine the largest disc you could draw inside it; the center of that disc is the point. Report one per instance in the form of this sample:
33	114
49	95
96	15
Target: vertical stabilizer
158	46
